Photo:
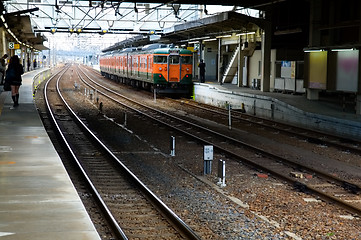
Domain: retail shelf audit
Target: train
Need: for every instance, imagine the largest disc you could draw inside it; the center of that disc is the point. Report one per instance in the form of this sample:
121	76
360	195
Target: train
159	68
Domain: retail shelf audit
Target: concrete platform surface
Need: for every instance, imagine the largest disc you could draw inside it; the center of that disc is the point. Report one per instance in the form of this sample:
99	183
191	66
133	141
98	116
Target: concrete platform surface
37	198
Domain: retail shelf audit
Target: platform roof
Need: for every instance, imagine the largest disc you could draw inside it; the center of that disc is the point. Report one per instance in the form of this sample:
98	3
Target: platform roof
22	28
220	24
223	23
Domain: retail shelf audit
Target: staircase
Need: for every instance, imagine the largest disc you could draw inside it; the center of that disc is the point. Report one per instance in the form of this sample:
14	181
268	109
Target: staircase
232	67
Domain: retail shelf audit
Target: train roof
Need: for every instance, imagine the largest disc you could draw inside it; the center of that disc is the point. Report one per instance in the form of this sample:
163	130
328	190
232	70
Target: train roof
171	50
162	49
154	46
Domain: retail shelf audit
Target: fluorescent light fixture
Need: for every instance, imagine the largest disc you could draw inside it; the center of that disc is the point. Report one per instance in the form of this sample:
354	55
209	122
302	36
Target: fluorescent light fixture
248	33
224	36
2	18
343	49
193	42
313	50
195	39
209	40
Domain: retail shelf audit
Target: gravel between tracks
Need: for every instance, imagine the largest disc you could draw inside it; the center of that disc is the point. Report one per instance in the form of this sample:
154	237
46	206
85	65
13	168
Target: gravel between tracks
249	207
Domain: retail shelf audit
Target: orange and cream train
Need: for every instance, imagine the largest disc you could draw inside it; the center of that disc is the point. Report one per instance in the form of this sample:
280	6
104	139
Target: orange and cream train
155	67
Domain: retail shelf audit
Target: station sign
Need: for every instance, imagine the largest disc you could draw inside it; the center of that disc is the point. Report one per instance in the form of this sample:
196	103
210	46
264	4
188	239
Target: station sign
13	45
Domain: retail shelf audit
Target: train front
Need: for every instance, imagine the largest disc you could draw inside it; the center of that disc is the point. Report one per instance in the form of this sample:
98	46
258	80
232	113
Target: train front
172	71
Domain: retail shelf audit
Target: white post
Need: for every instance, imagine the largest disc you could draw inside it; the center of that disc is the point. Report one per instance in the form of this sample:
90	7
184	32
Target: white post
229	117
172	146
221	173
224	174
125	119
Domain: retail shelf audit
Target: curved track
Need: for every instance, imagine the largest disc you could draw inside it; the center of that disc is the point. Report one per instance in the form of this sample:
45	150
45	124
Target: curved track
131	208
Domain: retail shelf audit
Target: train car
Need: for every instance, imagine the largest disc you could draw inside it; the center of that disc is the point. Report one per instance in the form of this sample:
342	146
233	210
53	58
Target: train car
155	67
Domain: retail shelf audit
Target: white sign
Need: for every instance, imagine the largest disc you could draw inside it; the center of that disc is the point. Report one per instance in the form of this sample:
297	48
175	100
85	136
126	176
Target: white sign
208	152
11	45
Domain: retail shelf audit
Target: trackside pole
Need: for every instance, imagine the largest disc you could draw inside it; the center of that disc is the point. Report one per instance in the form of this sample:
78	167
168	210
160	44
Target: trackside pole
229	117
172	146
221	173
125	119
91	93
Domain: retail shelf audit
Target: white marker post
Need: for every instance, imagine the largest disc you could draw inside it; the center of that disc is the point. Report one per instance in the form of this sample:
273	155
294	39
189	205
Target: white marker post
221	173
229	117
125	119
208	158
172	146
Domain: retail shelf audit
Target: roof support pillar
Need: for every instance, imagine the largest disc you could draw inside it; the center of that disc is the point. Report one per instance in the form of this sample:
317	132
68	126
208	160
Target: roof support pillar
200	57
219	77
358	104
266	58
240	63
3	41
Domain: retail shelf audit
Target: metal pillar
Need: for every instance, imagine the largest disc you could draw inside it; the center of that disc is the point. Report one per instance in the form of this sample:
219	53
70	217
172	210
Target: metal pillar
266	59
4	42
240	63
219	78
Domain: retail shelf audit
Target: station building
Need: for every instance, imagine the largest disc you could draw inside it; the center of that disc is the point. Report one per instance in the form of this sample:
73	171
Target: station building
303	47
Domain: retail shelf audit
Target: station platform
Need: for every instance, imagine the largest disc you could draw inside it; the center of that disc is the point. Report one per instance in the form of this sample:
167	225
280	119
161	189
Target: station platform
326	114
37	198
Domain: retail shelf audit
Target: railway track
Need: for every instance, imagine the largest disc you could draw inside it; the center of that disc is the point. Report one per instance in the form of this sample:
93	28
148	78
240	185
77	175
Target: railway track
132	210
307	179
309	135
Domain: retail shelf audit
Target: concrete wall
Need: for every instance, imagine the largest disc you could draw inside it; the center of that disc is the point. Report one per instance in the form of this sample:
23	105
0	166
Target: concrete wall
210	56
254	67
268	107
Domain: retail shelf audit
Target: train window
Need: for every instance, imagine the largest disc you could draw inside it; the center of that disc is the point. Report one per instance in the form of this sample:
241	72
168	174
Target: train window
186	59
173	59
160	59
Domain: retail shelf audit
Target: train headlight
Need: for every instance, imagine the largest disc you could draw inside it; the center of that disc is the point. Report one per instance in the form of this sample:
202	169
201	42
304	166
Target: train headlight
160	69
187	69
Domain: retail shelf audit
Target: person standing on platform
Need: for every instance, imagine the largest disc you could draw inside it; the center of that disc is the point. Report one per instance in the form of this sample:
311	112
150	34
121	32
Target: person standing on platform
3	68
202	70
13	76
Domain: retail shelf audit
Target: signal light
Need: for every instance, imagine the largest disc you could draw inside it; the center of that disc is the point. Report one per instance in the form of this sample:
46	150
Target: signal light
53	30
